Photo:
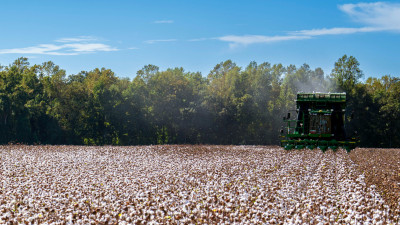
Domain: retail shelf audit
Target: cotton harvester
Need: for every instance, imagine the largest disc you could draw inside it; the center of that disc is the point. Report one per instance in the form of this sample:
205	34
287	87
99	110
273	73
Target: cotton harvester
320	123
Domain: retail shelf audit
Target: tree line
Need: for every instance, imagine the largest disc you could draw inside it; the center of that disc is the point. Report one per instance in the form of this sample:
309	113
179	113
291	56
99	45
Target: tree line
40	104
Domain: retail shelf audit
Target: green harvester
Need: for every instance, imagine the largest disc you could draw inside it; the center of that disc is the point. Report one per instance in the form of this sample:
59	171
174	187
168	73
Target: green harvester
320	123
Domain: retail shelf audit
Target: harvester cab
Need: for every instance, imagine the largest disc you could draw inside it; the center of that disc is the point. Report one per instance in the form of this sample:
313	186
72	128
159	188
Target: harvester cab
320	123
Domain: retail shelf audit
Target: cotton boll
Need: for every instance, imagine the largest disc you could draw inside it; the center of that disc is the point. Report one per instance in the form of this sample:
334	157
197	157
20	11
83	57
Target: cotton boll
148	184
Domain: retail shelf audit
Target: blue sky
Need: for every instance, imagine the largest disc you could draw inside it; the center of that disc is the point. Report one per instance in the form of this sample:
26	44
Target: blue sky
196	35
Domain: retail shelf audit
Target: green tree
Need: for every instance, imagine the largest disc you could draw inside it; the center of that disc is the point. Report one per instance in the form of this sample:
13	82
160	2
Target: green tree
39	104
20	102
385	94
220	102
170	97
346	73
346	77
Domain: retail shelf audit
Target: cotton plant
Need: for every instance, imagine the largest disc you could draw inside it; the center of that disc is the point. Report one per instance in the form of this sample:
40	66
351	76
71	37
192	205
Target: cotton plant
185	185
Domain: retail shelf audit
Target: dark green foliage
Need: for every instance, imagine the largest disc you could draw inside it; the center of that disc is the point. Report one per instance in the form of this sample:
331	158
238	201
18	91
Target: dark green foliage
39	104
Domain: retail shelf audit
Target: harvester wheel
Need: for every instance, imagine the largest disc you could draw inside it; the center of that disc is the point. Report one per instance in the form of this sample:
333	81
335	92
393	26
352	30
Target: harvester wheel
323	148
311	147
288	147
334	148
348	148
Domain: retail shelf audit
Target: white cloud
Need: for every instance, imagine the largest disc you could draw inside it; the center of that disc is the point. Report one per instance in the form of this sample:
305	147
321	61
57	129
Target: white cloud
200	39
379	14
45	49
163	21
337	31
236	40
156	41
90	47
77	39
375	17
71	46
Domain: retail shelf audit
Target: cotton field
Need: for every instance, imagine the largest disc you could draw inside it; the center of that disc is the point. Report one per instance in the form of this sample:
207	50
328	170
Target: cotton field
185	185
